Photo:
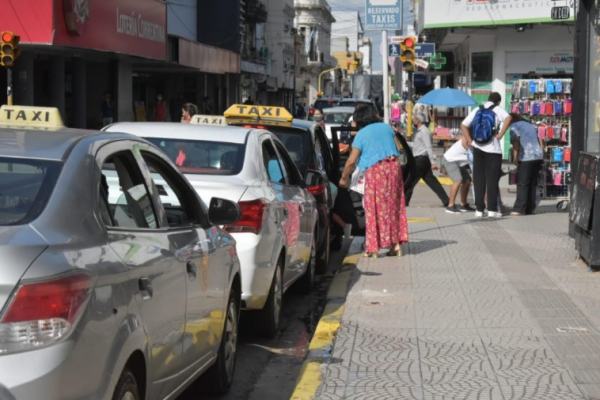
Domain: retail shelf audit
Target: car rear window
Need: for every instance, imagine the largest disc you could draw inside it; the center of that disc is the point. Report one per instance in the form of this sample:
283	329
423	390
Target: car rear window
25	187
323	104
203	157
337	118
297	143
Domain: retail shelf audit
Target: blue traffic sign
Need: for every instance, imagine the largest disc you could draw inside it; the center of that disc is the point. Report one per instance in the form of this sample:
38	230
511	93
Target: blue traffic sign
425	49
393	50
382	15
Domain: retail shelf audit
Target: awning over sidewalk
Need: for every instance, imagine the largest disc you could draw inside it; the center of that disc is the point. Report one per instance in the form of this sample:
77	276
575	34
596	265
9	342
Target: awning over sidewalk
207	58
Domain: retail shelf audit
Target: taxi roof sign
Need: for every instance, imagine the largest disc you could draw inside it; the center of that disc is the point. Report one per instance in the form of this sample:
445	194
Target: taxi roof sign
208	120
265	115
34	117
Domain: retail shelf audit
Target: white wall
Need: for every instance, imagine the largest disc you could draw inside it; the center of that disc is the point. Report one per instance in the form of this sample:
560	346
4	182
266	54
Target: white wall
279	42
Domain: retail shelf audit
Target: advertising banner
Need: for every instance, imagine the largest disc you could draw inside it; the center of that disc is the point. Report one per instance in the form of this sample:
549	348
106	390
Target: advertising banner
29	19
540	62
456	13
134	27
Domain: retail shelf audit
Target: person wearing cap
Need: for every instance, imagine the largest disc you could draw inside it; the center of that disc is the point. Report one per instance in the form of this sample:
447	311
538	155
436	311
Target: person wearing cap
426	160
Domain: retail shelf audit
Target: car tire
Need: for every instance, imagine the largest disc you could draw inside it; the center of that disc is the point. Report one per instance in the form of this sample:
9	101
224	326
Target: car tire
220	376
127	387
270	315
324	252
308	279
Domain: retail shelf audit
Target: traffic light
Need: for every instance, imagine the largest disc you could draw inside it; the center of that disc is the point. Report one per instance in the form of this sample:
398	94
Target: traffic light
407	54
8	49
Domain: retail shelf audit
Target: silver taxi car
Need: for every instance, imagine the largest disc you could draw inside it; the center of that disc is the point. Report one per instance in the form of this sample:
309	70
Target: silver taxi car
104	295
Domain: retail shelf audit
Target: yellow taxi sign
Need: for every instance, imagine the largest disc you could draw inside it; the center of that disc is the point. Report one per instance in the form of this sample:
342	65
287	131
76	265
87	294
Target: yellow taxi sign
262	114
208	120
27	116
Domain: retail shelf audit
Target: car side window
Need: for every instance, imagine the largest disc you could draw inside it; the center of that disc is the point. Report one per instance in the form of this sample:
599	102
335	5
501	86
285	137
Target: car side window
177	199
123	191
292	172
272	163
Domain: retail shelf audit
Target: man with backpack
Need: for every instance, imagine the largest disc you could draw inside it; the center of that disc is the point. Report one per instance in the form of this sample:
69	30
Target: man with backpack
482	130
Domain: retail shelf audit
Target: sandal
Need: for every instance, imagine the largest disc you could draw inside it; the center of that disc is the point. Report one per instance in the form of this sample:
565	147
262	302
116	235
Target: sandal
370	255
394	253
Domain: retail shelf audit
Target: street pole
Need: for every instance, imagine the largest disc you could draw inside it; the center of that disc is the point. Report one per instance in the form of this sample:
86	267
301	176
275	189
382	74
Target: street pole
386	83
324	72
398	70
9	91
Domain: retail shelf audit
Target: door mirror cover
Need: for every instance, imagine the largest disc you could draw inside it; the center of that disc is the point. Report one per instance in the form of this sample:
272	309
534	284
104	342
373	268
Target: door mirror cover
314	178
223	212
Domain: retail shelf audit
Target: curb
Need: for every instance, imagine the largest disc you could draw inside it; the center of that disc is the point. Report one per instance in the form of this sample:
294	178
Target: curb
319	351
445	181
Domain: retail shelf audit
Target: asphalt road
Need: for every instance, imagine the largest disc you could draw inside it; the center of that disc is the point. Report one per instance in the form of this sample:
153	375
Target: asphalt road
268	368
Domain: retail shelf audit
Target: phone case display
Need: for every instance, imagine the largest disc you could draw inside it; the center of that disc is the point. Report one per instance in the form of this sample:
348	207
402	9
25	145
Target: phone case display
547	103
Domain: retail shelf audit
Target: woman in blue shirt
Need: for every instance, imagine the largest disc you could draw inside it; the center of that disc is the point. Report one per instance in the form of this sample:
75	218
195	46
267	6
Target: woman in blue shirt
375	151
528	155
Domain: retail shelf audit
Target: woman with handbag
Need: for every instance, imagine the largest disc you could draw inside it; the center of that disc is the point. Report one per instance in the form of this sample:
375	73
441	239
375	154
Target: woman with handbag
375	151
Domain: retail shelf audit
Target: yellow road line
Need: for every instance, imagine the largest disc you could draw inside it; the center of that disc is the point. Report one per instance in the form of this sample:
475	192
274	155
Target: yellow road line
311	374
444	180
421	220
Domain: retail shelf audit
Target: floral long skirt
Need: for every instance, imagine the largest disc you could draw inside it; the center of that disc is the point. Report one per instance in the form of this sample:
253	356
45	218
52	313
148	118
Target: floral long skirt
385	207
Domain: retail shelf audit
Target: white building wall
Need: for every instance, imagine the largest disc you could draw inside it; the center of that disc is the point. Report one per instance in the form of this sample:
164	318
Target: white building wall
280	41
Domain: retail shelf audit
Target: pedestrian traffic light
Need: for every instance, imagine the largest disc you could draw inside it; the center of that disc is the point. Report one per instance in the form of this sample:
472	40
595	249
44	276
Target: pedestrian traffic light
407	55
8	49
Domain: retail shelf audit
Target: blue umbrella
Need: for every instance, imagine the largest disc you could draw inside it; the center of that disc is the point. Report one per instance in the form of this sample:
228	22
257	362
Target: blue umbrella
448	98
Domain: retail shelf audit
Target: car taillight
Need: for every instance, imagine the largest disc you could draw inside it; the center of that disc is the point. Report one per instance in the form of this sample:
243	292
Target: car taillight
311	111
43	312
252	217
317	190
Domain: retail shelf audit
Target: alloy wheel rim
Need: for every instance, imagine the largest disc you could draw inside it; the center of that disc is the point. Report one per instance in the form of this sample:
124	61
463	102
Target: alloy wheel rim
278	295
231	337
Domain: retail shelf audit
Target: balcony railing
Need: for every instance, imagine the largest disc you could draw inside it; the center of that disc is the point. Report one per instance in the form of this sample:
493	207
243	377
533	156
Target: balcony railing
256	11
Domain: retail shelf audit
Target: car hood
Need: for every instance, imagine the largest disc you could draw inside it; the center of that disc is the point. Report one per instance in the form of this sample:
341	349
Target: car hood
19	247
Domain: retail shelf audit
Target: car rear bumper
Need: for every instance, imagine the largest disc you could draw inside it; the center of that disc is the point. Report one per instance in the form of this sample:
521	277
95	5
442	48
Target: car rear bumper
257	266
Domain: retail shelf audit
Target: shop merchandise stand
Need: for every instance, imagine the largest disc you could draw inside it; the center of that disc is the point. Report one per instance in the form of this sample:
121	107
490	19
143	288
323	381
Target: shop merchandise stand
548	105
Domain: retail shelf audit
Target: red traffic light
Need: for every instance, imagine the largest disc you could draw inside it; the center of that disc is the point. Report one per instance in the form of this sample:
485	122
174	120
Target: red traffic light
409	42
7	36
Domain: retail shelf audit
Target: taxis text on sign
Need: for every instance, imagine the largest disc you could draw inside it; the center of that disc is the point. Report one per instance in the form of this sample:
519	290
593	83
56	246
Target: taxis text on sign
30	116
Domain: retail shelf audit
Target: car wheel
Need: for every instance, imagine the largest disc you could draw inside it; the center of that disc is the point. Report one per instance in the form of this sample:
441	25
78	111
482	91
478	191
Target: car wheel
220	375
127	387
324	252
308	279
271	312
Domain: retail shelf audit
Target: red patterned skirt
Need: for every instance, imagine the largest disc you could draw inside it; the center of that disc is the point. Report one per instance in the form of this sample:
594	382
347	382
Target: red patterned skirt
385	207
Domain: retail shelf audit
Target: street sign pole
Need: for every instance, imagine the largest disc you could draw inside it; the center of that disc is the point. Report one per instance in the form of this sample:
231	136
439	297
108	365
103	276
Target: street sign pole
9	91
386	83
398	70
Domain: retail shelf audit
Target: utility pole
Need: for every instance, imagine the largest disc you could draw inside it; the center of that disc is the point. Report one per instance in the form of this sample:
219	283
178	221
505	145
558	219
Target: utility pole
9	91
398	69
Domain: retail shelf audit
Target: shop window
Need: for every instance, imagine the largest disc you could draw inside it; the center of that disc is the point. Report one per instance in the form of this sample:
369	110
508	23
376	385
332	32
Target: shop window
482	67
593	137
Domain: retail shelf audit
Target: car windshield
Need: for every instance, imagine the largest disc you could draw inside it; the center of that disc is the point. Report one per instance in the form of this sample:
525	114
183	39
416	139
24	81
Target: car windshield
297	143
202	157
25	187
337	118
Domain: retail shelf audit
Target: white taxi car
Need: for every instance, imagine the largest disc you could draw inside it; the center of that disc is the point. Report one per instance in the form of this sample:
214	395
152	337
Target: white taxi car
276	234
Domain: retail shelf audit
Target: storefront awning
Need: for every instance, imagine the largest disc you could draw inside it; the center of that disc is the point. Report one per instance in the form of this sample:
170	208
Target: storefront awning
207	58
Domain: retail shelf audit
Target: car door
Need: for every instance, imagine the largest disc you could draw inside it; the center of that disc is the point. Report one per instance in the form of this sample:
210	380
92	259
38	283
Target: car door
300	211
156	286
202	250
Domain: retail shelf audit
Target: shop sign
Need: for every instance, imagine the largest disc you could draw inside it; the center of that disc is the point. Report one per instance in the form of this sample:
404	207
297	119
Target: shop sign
540	62
459	13
560	12
135	27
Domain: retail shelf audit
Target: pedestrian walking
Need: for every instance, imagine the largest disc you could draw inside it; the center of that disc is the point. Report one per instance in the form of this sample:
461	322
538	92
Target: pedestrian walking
187	112
107	110
375	151
425	160
528	155
319	118
160	109
455	162
484	136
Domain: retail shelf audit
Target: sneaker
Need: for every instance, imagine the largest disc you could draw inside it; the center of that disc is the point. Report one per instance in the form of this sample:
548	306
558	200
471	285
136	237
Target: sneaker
452	210
347	231
466	208
496	214
479	214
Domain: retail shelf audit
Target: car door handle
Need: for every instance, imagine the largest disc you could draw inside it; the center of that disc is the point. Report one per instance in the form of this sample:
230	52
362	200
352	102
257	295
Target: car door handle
145	286
192	270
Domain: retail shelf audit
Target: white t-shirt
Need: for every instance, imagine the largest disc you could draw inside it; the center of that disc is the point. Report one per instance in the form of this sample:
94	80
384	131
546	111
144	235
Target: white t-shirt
494	145
457	153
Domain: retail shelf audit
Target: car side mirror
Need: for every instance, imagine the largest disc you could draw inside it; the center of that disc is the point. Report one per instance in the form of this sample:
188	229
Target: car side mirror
223	212
313	178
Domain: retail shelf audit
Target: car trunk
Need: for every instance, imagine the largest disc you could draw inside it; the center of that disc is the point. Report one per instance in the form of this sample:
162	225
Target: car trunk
19	247
224	190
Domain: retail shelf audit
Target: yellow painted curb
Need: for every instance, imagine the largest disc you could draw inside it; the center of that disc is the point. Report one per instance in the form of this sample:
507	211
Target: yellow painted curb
421	220
311	374
443	180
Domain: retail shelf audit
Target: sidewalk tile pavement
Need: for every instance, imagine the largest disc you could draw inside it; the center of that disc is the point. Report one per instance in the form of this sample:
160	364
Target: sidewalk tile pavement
476	309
